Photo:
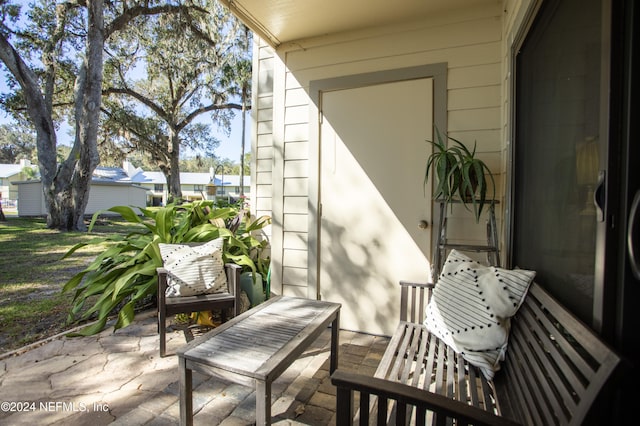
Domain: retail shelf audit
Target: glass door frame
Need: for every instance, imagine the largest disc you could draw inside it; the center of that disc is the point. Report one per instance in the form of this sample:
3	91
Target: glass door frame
604	300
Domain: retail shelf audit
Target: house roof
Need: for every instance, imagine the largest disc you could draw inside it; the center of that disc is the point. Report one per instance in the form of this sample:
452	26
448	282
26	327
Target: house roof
189	178
8	170
109	174
119	175
285	21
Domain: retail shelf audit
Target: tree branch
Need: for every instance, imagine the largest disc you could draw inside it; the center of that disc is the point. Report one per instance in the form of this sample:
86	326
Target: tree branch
213	107
130	14
36	107
143	99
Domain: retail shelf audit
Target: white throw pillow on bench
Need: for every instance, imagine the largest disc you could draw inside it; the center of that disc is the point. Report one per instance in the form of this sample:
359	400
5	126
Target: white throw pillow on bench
471	307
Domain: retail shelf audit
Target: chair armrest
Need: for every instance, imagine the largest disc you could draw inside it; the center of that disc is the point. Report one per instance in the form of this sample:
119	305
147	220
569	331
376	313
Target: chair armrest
409	395
233	277
162	286
233	283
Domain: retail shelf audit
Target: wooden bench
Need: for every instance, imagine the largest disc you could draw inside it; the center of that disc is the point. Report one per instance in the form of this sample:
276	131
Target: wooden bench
554	370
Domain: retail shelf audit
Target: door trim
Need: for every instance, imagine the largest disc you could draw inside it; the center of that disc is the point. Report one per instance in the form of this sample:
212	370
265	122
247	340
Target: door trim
438	72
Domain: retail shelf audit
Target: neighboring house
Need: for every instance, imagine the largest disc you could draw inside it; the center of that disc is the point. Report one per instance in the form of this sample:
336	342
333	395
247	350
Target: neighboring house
103	195
109	187
10	173
195	186
345	93
112	186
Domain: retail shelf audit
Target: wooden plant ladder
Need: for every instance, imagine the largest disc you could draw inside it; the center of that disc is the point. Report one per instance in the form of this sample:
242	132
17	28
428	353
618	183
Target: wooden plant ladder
442	245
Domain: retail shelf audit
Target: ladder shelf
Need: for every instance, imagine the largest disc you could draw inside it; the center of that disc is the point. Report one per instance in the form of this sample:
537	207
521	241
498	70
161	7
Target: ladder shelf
442	245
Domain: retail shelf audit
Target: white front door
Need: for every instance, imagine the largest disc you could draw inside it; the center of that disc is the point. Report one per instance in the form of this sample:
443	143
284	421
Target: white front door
373	199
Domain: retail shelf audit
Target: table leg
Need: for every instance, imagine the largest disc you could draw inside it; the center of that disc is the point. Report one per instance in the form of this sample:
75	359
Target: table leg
263	403
186	393
335	342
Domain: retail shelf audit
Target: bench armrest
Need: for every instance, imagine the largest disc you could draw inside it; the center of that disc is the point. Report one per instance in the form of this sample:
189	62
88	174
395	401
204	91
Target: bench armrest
347	382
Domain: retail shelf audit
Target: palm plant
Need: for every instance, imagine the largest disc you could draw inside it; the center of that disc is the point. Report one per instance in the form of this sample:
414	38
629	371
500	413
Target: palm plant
459	172
125	272
444	162
473	183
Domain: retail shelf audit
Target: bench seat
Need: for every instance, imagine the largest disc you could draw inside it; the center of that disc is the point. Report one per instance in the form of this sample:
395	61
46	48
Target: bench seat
554	370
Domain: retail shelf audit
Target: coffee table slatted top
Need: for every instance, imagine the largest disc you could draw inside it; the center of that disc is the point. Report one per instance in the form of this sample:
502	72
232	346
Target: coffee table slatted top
263	338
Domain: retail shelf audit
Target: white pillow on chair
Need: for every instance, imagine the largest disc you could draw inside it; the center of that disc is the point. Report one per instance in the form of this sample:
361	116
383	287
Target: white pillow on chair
194	269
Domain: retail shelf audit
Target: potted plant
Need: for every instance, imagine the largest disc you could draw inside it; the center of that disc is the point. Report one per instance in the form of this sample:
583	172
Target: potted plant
253	251
459	173
125	272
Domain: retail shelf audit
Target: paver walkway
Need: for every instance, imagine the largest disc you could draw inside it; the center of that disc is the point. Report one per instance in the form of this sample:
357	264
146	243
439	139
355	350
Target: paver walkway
119	378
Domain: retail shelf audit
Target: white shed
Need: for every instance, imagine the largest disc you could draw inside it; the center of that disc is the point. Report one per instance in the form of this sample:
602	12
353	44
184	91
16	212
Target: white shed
102	196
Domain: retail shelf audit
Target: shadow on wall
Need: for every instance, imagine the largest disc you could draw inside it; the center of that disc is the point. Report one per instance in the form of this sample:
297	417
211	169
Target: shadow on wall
356	274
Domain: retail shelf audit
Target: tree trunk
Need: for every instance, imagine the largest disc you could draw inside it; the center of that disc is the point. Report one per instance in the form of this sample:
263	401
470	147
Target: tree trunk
68	194
66	188
36	108
173	177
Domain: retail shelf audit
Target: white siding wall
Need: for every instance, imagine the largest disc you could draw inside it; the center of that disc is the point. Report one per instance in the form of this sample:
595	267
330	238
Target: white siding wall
102	197
469	41
262	167
30	199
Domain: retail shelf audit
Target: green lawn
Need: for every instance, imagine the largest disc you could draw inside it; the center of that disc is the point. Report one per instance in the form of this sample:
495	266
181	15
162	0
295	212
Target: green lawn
32	274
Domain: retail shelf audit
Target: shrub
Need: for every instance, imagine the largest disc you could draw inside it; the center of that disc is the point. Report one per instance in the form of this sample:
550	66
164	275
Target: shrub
125	272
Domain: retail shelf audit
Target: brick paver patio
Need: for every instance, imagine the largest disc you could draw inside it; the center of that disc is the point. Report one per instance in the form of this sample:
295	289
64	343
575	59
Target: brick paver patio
118	378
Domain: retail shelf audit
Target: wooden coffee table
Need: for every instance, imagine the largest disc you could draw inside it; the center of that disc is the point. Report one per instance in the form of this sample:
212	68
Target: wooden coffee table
254	348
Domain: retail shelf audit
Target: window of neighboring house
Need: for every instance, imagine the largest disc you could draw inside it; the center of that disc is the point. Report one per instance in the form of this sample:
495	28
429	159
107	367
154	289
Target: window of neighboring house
158	187
198	187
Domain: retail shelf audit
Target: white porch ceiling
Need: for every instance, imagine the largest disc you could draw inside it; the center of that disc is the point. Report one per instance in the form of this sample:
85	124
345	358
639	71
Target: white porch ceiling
284	21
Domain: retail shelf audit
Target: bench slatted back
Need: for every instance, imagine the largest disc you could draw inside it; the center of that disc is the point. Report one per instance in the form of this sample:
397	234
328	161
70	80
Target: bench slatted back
555	365
413	301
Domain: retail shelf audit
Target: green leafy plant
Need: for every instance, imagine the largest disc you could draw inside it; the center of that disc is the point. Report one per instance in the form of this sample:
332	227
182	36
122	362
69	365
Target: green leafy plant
246	248
459	172
444	163
125	272
473	182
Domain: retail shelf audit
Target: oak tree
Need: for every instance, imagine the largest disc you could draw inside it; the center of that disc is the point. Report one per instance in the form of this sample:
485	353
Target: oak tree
167	73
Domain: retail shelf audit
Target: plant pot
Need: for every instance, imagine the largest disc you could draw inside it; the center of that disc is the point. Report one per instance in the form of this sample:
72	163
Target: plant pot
254	289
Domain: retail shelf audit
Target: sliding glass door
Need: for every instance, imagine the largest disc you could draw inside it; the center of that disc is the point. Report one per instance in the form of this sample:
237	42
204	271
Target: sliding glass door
558	150
575	198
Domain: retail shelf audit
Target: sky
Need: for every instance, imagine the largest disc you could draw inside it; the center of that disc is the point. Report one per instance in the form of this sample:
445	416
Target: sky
229	145
229	148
